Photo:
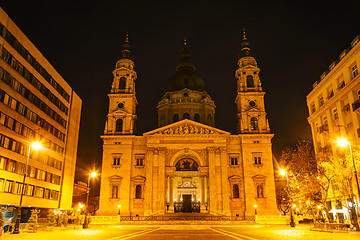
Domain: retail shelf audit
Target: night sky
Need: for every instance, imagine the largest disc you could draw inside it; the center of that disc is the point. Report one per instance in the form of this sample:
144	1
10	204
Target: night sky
293	43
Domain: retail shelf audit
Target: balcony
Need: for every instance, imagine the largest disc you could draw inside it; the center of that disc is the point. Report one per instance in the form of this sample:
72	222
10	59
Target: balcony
326	149
324	128
356	105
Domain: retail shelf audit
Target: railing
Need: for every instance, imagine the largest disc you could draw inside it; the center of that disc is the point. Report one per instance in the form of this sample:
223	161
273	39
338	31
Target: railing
324	128
330	226
356	104
117	219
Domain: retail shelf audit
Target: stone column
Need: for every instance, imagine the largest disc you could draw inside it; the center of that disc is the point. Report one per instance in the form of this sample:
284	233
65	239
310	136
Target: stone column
212	208
225	181
161	181
148	183
155	174
171	194
218	182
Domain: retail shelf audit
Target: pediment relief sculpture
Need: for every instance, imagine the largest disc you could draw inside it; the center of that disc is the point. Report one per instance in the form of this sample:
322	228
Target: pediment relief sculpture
187	129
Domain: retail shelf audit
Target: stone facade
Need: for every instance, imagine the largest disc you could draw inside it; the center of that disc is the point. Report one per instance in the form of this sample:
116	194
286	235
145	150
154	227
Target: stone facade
188	165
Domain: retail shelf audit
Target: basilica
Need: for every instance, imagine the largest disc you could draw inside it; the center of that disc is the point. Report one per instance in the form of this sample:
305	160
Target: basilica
187	164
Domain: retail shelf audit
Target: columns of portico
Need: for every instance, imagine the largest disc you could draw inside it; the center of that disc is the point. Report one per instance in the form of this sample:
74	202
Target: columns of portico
218	182
161	194
148	183
224	158
155	176
212	181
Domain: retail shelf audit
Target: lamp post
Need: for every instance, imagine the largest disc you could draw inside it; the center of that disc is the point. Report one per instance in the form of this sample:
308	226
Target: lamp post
91	175
284	173
119	214
343	142
35	145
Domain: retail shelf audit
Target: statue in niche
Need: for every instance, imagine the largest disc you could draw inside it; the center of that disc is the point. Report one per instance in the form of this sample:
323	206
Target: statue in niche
186	164
260	191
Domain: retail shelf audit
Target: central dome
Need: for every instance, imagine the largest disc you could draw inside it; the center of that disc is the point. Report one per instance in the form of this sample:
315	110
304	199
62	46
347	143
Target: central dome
185	76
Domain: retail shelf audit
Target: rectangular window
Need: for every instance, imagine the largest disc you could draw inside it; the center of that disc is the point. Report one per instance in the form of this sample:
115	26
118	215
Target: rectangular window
2	184
330	92
39	192
8	186
47	193
354	71
335	114
321	101
116	159
312	107
17	188
317	127
3	162
30	190
257	158
140	160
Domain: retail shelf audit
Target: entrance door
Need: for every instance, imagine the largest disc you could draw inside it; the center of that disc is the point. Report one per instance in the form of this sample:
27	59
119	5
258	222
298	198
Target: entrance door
187	203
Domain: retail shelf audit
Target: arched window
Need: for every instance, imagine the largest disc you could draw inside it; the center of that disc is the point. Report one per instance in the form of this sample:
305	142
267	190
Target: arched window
260	191
197	117
235	191
250	81
119	125
115	191
254	123
175	117
209	119
138	191
122	83
186	116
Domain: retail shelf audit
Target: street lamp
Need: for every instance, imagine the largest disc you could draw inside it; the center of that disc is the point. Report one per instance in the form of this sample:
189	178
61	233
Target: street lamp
119	206
343	142
91	175
284	173
35	146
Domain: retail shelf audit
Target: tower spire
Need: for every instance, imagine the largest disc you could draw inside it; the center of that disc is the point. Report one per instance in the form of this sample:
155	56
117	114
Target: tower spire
125	53
245	51
185	57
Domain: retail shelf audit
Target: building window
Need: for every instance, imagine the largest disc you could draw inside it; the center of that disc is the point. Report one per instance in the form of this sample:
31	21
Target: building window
138	191
236	191
330	93
312	107
115	191
139	161
354	71
254	123
257	160
250	81
321	101
122	83
197	117
325	121
186	116
234	161
119	125
341	82
260	191
116	161
335	113
317	127
8	186
175	117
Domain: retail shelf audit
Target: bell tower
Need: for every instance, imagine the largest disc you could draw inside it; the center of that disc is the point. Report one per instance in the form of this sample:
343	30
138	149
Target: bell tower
251	113
122	100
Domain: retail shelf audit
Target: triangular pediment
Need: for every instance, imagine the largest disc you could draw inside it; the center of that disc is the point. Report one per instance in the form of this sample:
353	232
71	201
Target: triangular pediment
186	127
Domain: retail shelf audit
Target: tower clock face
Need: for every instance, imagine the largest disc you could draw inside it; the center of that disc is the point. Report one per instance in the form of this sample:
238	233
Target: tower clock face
252	103
120	105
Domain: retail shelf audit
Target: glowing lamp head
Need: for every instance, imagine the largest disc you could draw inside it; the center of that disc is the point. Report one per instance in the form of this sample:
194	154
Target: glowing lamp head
342	142
36	145
318	207
283	172
93	174
119	206
255	206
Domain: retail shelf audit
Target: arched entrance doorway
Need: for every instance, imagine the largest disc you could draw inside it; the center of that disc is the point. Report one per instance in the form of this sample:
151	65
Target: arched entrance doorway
187	186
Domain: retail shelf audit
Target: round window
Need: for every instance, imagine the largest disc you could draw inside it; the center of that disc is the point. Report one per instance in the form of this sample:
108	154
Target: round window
121	105
252	103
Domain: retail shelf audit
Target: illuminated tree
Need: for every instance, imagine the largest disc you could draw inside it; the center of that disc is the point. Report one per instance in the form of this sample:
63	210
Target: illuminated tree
301	171
2	219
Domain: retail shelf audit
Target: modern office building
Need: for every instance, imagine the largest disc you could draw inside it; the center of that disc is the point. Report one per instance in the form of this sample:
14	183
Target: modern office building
334	112
36	104
186	164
